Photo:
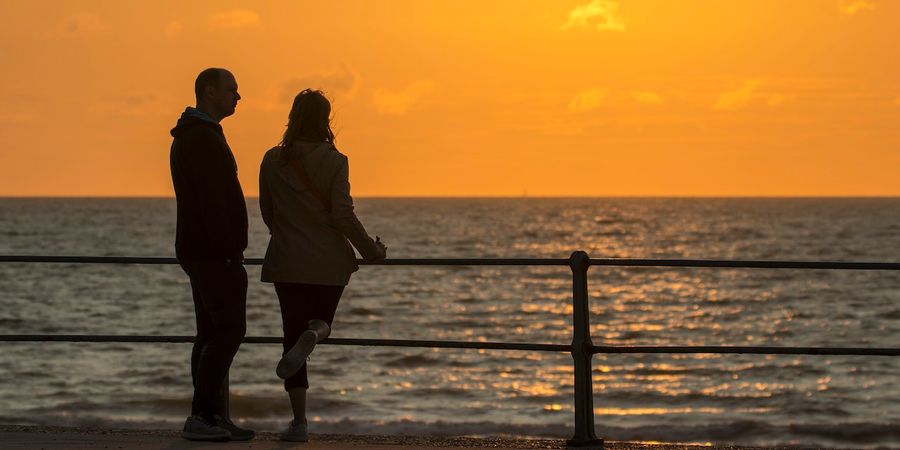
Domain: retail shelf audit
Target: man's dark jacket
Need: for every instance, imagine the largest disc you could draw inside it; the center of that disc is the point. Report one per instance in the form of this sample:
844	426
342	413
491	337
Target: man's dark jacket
212	214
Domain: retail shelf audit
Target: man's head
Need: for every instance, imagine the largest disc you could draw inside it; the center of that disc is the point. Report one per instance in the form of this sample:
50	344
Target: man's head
217	93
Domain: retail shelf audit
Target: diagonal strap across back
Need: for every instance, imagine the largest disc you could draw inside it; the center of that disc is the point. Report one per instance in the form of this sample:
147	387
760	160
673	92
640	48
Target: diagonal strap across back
301	172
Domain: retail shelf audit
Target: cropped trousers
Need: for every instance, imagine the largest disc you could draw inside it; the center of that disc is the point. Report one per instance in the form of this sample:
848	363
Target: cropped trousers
301	303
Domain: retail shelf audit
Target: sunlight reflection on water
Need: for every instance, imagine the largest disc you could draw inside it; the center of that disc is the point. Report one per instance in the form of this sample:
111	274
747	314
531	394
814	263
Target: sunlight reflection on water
670	395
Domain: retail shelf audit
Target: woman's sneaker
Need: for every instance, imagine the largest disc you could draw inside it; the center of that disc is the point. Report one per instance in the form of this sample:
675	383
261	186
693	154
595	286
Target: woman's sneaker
237	433
295	432
197	428
295	358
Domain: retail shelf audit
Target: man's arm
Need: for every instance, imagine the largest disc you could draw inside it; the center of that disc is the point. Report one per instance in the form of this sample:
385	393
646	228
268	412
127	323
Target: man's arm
265	197
208	168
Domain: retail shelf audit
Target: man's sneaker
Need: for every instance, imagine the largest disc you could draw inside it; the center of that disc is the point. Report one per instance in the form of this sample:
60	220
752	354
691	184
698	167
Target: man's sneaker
295	358
237	433
295	432
197	428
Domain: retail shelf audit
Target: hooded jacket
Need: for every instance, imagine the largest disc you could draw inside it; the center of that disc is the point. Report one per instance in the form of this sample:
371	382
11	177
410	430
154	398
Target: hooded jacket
212	213
308	243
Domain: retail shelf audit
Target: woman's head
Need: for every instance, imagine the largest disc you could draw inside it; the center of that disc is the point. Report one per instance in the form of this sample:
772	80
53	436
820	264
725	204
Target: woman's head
310	119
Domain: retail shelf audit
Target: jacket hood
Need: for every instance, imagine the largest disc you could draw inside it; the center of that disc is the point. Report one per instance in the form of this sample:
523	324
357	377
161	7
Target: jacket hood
192	117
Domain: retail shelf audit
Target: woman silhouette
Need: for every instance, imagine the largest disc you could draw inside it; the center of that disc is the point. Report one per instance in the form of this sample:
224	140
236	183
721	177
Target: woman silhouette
304	196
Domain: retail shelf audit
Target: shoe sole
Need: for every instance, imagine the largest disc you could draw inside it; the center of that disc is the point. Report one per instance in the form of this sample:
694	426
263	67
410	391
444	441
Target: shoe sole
294	359
205	437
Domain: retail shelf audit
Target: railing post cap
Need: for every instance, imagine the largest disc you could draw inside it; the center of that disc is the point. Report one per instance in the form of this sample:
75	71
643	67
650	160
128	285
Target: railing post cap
579	258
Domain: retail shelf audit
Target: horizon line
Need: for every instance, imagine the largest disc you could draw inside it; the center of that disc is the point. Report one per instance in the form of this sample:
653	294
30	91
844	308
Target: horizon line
488	197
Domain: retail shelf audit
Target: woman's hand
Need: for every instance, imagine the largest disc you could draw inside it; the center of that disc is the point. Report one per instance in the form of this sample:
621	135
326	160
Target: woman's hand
382	249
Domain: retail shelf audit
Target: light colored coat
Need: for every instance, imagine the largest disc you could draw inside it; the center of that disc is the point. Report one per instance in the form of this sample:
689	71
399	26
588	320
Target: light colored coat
308	244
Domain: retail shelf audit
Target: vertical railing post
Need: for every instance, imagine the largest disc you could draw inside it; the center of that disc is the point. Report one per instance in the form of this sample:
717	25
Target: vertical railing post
582	352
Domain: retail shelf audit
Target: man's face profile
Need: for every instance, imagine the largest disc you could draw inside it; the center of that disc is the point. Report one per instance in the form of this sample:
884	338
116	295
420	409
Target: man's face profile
223	95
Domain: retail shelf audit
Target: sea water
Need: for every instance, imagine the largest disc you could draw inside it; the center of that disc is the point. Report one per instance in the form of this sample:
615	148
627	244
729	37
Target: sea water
722	399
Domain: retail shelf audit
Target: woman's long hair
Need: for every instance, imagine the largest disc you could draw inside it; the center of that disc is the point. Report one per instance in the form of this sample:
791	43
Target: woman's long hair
309	120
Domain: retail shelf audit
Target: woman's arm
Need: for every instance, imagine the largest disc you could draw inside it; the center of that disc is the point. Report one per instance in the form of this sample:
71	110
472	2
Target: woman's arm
344	218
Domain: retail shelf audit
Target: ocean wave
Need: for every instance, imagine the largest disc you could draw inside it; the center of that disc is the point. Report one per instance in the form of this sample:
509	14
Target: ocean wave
413	361
11	321
241	405
361	311
462	324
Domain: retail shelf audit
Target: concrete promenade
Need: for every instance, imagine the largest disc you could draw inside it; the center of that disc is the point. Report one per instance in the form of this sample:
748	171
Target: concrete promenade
20	437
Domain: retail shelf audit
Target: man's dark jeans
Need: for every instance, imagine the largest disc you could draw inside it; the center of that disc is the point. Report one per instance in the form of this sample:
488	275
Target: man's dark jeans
220	304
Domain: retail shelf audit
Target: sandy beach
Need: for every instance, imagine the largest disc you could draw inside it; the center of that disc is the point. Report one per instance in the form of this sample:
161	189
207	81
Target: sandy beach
16	437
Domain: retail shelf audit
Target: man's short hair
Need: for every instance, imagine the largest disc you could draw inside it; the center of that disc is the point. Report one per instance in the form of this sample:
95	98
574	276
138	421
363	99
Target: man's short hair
211	76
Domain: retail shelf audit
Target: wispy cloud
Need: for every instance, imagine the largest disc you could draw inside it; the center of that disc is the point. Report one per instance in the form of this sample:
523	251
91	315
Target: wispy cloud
601	14
587	100
341	81
16	117
850	8
173	29
560	127
234	19
399	102
776	100
735	100
82	25
22	107
134	105
648	97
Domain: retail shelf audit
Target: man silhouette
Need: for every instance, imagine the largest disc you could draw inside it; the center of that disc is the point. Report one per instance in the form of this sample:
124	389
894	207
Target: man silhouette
210	239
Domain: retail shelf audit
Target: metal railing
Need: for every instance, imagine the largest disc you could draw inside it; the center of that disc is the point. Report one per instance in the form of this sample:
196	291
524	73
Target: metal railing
582	348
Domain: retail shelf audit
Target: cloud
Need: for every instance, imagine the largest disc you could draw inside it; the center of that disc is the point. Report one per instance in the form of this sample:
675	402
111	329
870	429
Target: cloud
135	105
397	103
897	101
853	7
735	100
560	127
16	117
341	81
603	13
81	25
234	19
174	29
647	97
587	100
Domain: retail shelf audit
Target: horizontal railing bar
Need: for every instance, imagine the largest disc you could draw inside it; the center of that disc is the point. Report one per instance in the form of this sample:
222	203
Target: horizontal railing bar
746	264
258	261
451	344
718	349
851	351
468	262
88	259
278	340
620	262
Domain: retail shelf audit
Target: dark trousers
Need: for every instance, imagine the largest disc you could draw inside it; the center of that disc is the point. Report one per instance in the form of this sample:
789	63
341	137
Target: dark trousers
301	303
220	305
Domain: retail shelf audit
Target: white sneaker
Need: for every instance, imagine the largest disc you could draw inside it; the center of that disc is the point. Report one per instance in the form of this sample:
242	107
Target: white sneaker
295	432
295	358
197	428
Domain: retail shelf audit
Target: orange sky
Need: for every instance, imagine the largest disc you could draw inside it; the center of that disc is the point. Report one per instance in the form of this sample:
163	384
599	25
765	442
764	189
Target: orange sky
468	98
